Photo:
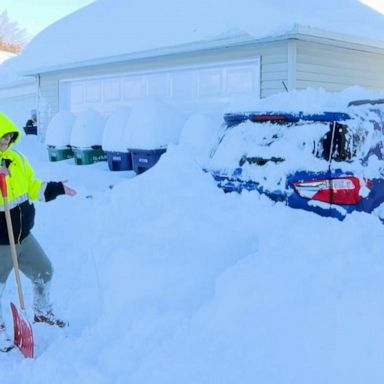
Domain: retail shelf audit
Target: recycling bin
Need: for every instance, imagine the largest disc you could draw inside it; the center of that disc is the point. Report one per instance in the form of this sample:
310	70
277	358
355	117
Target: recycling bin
143	159
85	156
59	153
119	161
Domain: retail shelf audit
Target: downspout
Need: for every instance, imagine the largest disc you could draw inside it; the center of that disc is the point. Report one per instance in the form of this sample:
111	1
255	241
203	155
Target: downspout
292	64
37	81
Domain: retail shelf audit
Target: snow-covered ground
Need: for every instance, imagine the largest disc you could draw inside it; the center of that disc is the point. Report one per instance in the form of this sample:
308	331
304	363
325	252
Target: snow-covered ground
165	279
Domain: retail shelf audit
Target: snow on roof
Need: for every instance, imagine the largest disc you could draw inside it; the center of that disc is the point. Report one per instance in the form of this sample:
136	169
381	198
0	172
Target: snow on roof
4	55
109	28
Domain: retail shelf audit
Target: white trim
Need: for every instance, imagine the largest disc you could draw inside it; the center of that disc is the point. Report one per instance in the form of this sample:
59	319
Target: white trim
297	32
292	61
177	68
305	30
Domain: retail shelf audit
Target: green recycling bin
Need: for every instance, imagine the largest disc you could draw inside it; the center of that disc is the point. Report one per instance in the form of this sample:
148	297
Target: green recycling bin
59	153
84	156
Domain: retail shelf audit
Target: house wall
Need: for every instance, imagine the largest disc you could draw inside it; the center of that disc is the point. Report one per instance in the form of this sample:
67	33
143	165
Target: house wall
284	65
335	68
17	100
48	99
272	56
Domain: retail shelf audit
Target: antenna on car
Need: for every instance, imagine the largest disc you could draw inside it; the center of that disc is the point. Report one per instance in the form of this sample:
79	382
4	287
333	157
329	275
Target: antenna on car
329	165
331	146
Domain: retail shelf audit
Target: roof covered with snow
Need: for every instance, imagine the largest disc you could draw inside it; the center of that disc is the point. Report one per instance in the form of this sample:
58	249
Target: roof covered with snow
110	28
4	55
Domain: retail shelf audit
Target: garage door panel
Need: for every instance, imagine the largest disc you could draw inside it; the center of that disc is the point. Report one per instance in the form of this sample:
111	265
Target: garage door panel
213	84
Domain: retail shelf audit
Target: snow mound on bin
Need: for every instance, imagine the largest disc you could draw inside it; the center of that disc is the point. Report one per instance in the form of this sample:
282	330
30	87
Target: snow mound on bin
114	131
59	129
153	124
88	129
199	134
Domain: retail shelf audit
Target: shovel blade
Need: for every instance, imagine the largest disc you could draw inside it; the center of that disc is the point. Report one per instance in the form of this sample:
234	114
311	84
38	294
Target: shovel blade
22	332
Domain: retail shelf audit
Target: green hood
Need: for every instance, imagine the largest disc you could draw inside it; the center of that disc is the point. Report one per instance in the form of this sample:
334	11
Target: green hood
7	126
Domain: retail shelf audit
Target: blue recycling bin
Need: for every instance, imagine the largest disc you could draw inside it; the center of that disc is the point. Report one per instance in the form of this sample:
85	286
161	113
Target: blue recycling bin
119	161
143	159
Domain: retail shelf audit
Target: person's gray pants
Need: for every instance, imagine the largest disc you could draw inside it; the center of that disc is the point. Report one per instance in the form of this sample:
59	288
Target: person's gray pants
34	264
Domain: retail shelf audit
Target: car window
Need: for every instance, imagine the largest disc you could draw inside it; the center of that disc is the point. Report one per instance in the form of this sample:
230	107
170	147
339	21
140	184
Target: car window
256	143
337	144
354	140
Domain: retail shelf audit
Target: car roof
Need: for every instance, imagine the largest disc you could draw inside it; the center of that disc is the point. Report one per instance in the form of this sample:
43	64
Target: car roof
288	117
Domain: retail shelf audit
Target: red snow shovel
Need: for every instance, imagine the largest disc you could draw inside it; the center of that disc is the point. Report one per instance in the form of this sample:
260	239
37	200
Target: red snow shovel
21	327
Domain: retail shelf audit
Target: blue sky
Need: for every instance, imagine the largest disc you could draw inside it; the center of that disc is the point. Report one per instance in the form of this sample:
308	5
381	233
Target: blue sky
375	4
35	15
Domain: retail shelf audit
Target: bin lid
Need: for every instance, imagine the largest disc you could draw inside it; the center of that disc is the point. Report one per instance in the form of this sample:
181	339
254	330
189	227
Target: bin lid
114	131
59	129
88	129
153	124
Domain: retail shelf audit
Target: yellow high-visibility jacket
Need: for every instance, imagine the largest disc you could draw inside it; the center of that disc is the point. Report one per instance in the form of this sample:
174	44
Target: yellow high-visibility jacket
22	187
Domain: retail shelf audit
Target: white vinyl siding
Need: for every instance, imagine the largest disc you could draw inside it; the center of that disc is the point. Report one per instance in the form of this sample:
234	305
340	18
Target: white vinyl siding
274	68
336	68
48	100
17	100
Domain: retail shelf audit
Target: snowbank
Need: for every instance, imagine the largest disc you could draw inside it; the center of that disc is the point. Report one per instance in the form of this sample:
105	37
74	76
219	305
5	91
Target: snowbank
111	27
199	135
115	130
153	124
87	130
165	279
308	101
59	129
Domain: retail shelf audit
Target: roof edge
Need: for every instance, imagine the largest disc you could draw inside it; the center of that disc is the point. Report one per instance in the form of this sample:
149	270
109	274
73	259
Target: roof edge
164	51
298	32
306	30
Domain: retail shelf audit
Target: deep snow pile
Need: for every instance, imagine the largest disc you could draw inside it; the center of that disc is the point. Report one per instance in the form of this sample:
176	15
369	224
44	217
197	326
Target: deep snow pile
153	124
59	129
176	23
165	279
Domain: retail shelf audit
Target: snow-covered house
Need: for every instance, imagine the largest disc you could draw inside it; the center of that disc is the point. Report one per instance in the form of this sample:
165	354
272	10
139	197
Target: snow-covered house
201	56
5	55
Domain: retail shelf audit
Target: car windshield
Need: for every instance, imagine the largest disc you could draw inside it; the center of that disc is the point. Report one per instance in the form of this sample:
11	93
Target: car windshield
251	142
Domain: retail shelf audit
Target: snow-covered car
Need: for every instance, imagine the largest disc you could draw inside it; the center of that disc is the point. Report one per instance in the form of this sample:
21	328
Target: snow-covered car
330	163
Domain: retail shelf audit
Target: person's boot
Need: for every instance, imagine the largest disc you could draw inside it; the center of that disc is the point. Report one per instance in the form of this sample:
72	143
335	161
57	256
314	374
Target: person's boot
6	343
48	317
41	306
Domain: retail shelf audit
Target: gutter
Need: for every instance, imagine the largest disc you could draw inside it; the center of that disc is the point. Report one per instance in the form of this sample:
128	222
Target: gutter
298	32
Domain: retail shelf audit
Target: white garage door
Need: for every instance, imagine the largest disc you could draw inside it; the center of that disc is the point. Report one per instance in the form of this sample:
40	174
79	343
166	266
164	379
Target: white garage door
192	88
